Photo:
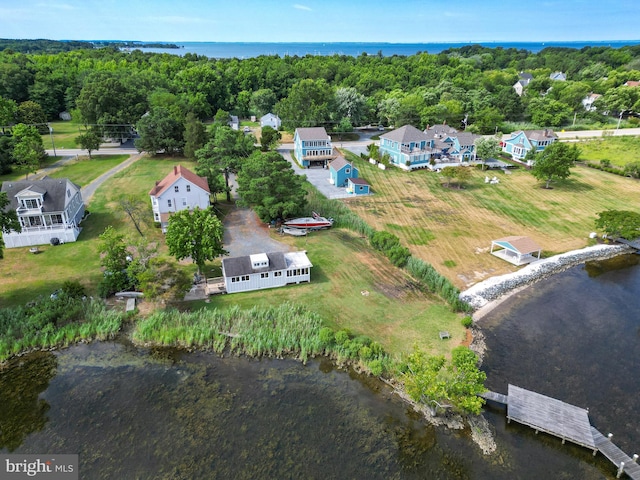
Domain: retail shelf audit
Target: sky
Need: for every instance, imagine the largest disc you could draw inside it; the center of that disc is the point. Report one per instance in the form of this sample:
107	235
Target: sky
393	21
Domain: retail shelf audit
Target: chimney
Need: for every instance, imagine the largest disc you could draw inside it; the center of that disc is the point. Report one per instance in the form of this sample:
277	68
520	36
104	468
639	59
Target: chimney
175	170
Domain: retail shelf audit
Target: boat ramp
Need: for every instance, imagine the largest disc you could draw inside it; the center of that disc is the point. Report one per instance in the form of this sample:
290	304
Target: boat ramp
568	422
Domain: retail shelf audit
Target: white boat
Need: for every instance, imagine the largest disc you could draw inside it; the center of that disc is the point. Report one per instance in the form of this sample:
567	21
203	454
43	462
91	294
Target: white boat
296	232
315	222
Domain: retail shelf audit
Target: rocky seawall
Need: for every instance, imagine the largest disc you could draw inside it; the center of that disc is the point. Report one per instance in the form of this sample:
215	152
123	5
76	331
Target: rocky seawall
482	295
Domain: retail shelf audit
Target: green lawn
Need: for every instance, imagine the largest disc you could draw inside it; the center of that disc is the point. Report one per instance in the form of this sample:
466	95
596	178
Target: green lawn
64	135
25	276
356	288
618	150
82	171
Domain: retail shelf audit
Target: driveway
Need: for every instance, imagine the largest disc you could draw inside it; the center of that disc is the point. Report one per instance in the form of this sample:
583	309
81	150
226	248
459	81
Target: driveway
318	177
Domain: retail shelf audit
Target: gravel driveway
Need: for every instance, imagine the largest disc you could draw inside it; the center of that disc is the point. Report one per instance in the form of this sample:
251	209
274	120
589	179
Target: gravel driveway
246	234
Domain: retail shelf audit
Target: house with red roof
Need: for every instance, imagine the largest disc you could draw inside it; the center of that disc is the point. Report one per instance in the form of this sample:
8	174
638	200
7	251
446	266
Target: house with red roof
180	190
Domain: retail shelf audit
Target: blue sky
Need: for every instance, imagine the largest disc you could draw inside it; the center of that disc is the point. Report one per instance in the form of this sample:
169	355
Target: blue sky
399	21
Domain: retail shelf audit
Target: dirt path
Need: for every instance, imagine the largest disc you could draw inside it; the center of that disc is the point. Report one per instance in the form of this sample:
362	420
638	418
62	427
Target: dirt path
89	189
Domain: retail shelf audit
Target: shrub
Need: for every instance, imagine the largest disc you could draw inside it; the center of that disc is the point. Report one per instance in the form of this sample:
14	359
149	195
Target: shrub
467	321
341	336
376	367
326	336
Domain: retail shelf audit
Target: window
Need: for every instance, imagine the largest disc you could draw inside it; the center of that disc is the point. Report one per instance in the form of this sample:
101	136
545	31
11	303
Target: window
347	171
176	188
56	219
277	274
157	217
188	188
30	203
169	203
264	275
245	278
184	202
68	193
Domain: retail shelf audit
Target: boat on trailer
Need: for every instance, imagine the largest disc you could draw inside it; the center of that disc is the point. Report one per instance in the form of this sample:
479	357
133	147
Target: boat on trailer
296	232
315	222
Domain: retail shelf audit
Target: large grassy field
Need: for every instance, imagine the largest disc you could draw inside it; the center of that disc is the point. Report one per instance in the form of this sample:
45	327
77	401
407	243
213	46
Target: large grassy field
617	150
452	228
356	288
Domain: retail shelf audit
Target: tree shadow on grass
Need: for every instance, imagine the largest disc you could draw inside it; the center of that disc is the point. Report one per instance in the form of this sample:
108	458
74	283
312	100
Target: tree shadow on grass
570	185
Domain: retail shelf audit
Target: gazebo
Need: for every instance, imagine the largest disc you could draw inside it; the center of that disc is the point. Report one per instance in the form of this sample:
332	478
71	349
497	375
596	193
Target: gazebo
516	250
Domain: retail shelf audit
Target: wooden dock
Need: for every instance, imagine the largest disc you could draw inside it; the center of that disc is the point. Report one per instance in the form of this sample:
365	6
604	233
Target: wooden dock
568	422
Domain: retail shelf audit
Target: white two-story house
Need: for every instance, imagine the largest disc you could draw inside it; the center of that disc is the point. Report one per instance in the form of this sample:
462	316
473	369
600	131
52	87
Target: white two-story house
180	190
49	211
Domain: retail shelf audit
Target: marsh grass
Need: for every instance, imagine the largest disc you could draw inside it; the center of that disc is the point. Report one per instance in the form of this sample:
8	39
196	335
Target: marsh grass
275	331
49	323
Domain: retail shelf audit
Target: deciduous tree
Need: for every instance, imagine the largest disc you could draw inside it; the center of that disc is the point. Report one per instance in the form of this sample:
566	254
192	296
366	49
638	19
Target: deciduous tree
28	151
487	148
269	138
196	235
619	223
555	162
89	141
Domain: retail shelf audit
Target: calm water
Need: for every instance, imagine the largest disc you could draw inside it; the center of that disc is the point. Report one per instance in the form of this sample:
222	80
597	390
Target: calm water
576	337
249	50
139	413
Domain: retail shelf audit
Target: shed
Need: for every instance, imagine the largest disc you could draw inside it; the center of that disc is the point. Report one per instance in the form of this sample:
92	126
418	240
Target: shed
358	186
518	250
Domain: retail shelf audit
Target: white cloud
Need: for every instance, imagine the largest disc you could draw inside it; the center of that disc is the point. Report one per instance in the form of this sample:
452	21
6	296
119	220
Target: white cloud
302	7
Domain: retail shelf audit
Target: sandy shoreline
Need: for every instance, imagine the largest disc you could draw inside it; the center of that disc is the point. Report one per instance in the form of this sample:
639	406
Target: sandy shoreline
488	294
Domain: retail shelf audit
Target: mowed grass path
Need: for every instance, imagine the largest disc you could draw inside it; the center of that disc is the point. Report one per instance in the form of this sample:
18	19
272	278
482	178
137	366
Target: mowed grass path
452	229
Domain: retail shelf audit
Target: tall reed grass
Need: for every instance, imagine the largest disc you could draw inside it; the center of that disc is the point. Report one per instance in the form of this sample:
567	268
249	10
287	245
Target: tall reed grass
286	329
48	323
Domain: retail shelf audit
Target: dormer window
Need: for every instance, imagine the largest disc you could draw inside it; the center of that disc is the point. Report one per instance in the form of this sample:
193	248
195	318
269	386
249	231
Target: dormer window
30	203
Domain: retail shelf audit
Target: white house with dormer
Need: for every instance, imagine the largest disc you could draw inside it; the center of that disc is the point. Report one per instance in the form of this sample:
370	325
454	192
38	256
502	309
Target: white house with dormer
265	270
49	211
180	190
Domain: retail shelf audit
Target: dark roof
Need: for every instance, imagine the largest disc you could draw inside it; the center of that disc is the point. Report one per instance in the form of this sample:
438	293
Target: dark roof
236	266
312	133
54	191
358	181
406	134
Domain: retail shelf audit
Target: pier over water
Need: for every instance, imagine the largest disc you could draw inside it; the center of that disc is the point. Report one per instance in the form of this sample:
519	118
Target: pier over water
568	422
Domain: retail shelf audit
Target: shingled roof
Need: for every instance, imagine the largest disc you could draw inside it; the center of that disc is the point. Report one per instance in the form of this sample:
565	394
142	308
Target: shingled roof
54	191
405	134
312	133
179	172
236	266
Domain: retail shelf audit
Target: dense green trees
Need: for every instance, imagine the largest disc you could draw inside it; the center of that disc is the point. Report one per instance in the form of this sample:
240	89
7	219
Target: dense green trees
619	223
439	384
267	183
28	150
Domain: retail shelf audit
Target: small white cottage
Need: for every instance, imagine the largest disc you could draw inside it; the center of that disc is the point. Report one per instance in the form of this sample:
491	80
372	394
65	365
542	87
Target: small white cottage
265	270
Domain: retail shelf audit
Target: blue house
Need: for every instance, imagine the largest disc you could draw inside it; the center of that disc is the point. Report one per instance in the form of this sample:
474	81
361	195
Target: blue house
358	186
312	147
520	143
407	147
340	170
436	147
